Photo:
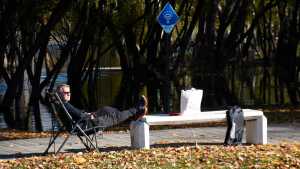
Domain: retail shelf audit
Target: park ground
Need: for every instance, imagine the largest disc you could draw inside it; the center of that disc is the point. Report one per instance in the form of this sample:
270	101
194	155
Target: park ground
196	147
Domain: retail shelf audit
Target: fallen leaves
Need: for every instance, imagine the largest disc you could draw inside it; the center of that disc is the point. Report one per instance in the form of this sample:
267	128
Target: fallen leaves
79	160
10	134
285	155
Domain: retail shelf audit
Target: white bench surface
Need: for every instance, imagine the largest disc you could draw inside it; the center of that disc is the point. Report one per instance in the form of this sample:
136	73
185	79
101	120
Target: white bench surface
201	117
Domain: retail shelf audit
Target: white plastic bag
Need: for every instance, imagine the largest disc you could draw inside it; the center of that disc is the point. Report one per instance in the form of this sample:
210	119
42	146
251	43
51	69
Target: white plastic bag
190	101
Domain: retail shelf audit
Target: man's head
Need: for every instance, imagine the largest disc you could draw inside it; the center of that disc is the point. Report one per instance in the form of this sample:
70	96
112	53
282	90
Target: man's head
64	92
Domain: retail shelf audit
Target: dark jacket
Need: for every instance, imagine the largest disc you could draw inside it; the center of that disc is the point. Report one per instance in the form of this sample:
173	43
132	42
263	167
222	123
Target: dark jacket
76	113
78	116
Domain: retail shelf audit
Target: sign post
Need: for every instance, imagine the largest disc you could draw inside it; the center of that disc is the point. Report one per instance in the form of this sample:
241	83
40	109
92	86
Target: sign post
167	20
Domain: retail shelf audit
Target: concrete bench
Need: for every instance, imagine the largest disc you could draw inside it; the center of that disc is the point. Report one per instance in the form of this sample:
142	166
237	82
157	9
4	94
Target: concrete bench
256	125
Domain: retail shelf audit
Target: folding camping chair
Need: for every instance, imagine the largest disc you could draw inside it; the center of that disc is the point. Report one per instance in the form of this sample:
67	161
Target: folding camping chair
87	135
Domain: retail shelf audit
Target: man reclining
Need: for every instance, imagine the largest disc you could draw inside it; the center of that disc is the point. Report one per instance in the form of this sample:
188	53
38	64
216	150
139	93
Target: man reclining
106	116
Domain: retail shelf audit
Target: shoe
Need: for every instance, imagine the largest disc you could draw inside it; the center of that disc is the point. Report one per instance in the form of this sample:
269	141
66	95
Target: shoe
142	107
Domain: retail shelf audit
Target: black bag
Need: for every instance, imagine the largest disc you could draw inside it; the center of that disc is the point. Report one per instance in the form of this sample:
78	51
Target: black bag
235	126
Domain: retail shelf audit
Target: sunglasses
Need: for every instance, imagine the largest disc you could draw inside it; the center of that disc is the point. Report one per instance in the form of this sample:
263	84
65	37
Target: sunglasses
66	93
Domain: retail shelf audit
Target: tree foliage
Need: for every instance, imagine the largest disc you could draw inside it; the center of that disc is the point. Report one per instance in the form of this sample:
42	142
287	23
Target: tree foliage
238	52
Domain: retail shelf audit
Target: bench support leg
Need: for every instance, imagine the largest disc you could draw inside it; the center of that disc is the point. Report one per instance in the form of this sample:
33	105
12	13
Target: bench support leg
139	134
256	131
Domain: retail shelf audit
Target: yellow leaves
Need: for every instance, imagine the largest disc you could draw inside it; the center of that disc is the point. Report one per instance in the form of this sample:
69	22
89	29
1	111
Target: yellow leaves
284	155
79	160
10	134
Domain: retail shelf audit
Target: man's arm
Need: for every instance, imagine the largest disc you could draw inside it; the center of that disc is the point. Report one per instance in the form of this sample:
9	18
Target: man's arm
75	112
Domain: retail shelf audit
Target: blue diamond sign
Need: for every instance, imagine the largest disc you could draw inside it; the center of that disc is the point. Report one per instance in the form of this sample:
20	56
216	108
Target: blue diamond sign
167	18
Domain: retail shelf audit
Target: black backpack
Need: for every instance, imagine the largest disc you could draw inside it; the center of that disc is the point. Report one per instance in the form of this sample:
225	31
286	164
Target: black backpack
235	126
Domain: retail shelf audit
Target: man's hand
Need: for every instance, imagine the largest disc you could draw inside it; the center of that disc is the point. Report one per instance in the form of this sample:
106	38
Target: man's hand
92	115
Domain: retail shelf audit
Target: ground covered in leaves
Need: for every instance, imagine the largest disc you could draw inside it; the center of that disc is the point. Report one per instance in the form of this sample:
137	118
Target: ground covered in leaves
274	115
10	134
285	155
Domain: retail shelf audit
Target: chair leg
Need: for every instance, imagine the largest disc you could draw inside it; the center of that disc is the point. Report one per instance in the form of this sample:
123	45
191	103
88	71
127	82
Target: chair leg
86	136
84	142
94	137
96	141
88	142
51	142
61	146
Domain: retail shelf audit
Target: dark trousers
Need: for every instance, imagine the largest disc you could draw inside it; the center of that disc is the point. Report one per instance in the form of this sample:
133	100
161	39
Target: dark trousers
110	116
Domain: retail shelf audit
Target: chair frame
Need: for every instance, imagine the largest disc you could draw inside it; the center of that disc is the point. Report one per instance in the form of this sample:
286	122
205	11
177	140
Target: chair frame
88	140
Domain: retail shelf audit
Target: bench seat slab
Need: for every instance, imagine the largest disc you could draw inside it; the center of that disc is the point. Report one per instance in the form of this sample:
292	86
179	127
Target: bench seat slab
256	125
